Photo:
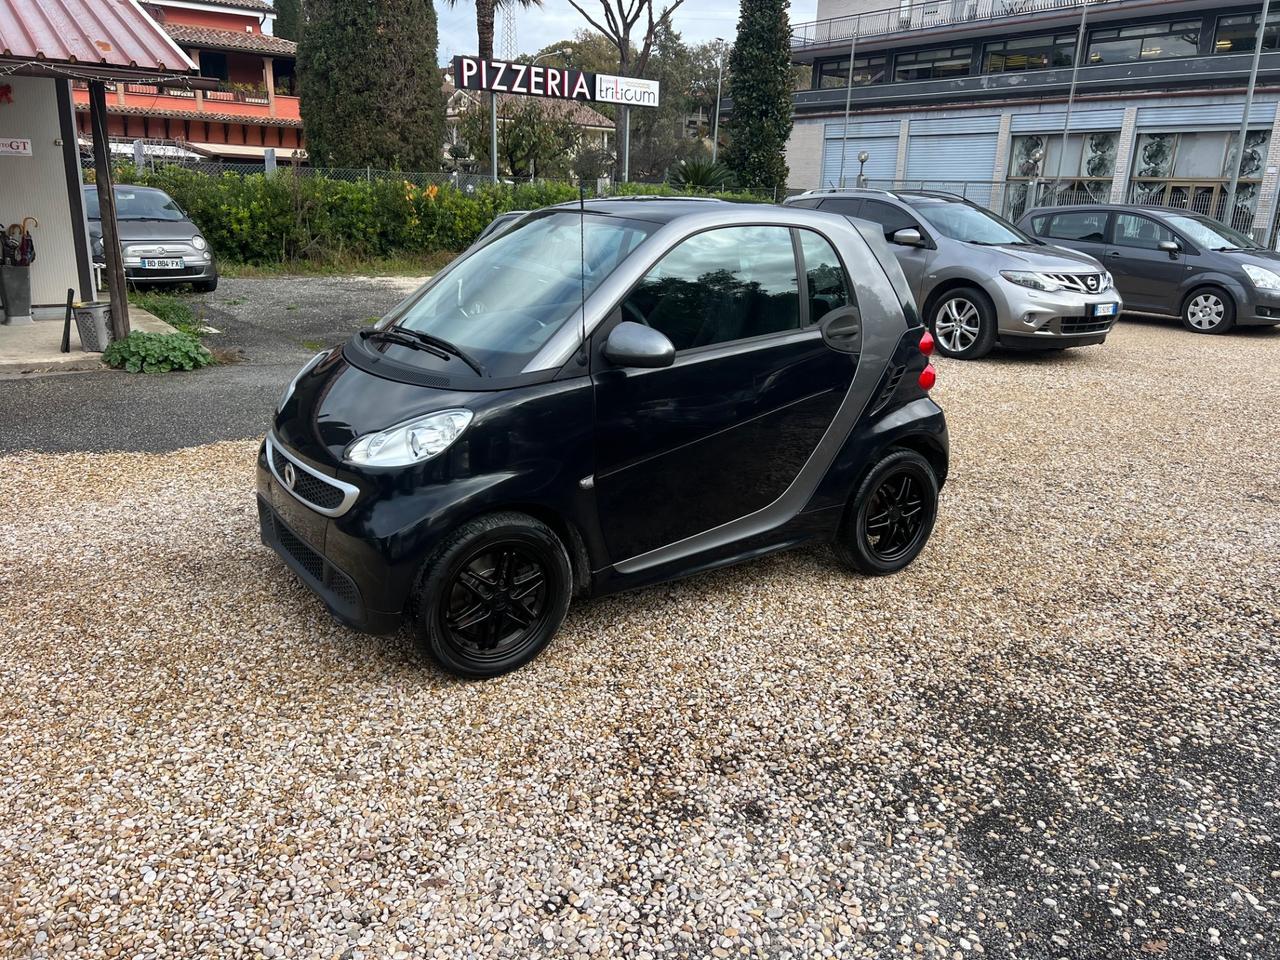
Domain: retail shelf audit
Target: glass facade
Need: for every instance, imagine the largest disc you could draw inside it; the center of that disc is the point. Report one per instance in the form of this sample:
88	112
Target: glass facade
1192	171
1239	32
1147	41
1041	173
1029	53
835	73
933	64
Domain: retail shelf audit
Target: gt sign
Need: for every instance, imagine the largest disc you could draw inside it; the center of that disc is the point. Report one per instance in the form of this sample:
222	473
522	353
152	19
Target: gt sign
530	80
15	147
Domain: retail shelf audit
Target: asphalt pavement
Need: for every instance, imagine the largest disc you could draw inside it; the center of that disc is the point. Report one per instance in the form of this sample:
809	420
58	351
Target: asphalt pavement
271	326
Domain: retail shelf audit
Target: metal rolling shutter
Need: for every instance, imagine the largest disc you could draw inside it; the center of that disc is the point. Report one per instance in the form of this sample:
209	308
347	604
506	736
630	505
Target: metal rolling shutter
1206	116
878	138
947	154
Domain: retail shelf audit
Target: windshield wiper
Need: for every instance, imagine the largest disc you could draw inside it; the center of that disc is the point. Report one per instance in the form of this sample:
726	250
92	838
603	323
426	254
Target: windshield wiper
1228	249
398	338
439	343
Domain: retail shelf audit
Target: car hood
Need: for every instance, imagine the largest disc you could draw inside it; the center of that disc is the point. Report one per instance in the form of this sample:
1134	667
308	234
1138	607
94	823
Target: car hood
132	231
1046	259
1267	259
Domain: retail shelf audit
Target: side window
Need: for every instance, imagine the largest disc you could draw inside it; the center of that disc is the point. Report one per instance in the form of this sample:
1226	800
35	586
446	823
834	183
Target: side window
1132	230
810	203
828	285
1086	226
890	218
845	206
722	285
1038	224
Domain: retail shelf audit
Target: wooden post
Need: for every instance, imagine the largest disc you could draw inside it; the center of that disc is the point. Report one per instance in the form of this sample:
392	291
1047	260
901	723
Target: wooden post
269	78
107	208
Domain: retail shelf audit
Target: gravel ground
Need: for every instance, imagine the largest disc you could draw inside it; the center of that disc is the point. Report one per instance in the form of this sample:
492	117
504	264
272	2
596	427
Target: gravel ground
1054	736
272	324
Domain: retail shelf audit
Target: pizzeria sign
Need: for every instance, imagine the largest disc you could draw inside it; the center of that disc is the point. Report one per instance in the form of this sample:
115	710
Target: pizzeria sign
531	80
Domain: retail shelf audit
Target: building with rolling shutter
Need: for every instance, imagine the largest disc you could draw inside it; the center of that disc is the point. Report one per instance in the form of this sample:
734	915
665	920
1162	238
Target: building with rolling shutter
973	96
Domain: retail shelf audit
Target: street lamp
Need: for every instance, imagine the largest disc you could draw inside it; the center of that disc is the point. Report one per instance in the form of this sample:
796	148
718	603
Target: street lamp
715	123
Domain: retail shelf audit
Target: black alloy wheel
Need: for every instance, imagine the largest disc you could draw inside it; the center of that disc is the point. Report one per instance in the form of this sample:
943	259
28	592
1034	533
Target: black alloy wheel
493	595
891	516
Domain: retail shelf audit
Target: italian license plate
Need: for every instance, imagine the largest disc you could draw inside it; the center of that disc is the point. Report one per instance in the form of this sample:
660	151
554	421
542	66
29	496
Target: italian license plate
1104	309
165	263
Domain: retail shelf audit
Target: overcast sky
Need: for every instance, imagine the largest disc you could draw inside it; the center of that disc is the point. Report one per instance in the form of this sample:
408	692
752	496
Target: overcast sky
697	21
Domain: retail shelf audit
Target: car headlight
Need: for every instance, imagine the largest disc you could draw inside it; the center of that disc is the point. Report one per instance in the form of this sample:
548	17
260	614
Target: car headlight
1262	278
1108	281
306	368
410	442
198	242
1036	281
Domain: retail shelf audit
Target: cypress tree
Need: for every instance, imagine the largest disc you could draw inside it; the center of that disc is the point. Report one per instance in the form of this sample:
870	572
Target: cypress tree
761	119
371	90
288	19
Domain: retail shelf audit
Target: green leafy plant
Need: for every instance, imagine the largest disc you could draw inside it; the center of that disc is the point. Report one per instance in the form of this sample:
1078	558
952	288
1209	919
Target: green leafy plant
157	353
700	175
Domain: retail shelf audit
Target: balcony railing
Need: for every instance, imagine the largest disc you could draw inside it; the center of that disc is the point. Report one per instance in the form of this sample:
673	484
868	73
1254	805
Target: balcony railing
921	15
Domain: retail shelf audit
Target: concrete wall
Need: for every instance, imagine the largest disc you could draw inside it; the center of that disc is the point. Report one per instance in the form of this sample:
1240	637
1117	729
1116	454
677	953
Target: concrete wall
843	8
36	186
804	154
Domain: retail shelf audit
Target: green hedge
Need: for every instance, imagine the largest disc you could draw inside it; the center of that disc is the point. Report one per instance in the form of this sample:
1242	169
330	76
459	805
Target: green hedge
253	219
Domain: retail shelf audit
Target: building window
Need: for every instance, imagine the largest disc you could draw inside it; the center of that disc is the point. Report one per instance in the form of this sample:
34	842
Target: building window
1150	41
1192	171
1029	53
1237	33
933	64
1042	174
213	63
835	73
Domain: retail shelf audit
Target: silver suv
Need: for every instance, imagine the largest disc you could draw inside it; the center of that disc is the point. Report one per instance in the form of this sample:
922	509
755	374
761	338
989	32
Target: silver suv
979	280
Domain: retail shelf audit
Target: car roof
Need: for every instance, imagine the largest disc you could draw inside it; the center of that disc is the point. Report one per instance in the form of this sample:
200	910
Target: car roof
655	208
1114	208
873	193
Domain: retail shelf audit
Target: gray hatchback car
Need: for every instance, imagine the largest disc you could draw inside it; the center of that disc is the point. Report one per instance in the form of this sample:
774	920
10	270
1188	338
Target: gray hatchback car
979	280
1172	262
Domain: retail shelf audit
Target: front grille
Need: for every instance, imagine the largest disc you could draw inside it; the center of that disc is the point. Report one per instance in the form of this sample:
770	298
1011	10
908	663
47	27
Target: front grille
1079	282
338	589
307	486
1078	325
138	273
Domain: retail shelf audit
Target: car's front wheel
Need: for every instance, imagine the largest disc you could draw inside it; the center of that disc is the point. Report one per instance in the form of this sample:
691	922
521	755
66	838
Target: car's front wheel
492	595
890	516
964	324
1209	310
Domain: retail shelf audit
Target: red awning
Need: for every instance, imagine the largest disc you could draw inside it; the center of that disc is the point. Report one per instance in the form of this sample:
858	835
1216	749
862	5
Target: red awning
88	39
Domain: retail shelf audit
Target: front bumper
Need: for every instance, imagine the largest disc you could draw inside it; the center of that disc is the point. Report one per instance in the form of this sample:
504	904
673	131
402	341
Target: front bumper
1261	308
1030	318
193	271
345	572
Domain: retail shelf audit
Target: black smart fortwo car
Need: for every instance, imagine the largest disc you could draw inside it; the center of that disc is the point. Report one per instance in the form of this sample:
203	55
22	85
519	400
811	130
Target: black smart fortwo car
604	397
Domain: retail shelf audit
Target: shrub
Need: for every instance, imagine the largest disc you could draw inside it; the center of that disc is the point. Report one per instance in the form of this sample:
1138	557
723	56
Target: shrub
157	353
700	175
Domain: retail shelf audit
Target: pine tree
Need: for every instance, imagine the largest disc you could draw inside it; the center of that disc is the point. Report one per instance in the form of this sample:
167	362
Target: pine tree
371	90
288	19
761	119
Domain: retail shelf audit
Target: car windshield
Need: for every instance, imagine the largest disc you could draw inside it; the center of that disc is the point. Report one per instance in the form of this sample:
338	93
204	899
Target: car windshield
1209	235
136	205
960	221
503	302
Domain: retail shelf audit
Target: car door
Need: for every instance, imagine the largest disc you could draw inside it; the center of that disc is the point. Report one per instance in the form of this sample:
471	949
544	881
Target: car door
913	260
723	431
1083	230
1147	277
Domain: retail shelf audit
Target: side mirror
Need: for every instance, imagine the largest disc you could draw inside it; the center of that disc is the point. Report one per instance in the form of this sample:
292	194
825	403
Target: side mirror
635	345
908	237
1171	247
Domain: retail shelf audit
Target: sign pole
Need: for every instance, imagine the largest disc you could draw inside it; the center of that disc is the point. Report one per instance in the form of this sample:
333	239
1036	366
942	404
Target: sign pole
848	102
626	144
1230	211
493	135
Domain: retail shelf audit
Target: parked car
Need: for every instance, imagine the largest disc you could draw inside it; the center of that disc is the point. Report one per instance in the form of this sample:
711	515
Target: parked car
1172	262
161	245
601	399
979	280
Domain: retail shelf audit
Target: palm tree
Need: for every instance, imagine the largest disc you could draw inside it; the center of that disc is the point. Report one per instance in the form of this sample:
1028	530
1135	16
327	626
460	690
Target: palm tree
485	11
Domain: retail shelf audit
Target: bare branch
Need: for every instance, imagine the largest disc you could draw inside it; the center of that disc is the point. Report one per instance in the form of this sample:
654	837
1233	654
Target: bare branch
591	20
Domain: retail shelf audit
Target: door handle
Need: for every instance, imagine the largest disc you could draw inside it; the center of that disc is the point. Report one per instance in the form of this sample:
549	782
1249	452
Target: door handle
1114	254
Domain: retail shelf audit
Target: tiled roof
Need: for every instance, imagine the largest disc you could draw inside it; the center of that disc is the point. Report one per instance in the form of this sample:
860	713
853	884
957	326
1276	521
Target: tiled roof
206	114
210	37
258	6
91	33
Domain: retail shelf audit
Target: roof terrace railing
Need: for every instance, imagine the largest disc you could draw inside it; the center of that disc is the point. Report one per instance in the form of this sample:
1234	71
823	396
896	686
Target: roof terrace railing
921	15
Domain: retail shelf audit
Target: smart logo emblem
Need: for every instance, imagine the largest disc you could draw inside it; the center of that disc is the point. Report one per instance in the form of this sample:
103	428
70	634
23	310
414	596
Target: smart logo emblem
290	476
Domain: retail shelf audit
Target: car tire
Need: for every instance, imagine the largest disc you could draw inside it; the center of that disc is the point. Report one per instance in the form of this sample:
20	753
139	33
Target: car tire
1209	310
890	517
205	286
492	595
963	322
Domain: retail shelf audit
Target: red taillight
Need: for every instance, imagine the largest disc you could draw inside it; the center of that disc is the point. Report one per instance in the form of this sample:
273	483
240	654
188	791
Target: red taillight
928	376
926	344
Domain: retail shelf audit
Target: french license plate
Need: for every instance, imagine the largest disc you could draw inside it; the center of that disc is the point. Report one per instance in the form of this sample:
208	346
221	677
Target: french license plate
1104	309
166	263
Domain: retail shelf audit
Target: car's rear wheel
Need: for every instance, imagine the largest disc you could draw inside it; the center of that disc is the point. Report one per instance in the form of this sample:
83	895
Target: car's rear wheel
964	323
891	515
492	595
1209	310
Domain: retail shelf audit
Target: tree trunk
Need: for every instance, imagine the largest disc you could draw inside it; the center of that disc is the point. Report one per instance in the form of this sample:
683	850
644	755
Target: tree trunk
484	27
619	114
